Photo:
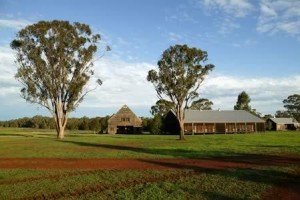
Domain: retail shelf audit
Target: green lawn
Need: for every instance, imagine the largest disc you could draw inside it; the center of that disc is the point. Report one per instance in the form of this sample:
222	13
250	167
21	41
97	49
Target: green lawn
246	183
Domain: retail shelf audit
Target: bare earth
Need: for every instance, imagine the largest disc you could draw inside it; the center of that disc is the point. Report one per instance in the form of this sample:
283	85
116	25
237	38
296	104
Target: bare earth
286	191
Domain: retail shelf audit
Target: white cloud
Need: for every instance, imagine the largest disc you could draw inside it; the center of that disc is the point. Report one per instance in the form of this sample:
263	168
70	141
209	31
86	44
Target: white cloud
266	93
227	26
7	67
125	83
236	8
279	16
13	23
228	10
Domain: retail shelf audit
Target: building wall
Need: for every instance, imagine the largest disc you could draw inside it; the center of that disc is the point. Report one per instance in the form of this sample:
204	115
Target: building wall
124	119
206	128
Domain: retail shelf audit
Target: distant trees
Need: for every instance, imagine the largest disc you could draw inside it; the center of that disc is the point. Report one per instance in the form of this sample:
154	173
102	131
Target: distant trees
161	107
54	65
292	104
243	102
201	104
181	70
96	124
282	113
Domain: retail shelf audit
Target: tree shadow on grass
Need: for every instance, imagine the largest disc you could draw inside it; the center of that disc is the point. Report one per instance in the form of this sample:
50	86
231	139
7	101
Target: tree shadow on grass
15	135
290	182
246	158
154	151
235	165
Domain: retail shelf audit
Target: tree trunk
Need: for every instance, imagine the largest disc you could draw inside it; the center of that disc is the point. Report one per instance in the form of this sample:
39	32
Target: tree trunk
61	133
181	136
180	117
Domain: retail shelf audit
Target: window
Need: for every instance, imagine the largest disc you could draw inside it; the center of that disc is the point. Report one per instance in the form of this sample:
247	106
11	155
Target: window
125	119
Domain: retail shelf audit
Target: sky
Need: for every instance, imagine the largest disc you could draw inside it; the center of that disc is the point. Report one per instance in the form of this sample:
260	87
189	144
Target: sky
254	45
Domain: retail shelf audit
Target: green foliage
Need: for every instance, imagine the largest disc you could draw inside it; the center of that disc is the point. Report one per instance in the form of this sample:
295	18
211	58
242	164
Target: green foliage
96	124
292	104
243	102
156	125
282	113
54	65
181	70
201	104
162	107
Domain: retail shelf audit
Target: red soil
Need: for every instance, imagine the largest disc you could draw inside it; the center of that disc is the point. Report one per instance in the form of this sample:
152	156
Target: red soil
282	190
120	164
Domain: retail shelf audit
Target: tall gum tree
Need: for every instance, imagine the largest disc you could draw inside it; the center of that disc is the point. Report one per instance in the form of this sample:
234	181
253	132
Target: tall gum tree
181	70
54	61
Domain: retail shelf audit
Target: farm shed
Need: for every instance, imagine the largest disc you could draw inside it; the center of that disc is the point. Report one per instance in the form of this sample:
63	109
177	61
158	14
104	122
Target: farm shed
208	121
124	121
282	124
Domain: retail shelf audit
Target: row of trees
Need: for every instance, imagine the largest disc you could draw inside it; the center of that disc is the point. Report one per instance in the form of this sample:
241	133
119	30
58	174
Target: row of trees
152	125
291	104
96	124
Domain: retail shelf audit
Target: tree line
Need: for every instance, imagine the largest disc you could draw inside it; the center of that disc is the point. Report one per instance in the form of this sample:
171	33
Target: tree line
95	124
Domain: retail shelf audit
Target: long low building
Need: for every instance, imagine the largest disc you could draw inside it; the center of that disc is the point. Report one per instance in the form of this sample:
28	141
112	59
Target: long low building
208	121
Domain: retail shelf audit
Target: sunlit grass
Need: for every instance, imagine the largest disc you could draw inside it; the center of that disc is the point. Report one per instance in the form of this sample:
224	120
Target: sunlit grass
231	183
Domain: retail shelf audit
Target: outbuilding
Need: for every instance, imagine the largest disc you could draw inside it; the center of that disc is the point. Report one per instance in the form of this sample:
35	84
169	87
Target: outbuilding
124	122
282	124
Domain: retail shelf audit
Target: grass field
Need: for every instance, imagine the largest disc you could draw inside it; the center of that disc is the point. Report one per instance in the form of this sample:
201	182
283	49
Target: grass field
236	166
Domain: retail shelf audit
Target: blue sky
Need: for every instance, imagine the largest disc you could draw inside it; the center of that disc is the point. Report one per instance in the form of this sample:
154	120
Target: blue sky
254	44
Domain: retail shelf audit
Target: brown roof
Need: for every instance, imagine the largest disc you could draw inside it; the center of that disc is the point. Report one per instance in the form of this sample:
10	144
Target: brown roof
125	117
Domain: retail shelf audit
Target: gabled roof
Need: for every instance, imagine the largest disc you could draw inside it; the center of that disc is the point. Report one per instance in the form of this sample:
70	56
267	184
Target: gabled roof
284	120
125	111
212	116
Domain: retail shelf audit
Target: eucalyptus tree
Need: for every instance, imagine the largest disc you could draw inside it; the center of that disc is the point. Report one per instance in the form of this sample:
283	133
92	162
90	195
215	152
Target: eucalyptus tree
243	102
161	107
55	63
292	104
201	104
181	70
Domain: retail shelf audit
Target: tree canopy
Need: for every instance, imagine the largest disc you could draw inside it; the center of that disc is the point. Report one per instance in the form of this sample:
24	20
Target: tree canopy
181	70
161	107
201	104
243	102
292	104
54	65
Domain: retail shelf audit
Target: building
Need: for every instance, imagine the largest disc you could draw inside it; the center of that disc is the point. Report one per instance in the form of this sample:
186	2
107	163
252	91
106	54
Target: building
282	124
208	121
124	122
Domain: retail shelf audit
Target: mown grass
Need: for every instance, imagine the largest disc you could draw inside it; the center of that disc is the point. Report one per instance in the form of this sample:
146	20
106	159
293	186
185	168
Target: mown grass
185	183
20	143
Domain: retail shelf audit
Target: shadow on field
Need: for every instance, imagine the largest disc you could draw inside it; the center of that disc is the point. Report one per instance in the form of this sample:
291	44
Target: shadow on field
254	159
167	152
233	165
286	181
15	135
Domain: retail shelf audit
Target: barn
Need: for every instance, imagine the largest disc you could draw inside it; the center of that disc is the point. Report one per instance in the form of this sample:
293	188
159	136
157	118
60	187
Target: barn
209	121
124	122
282	124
